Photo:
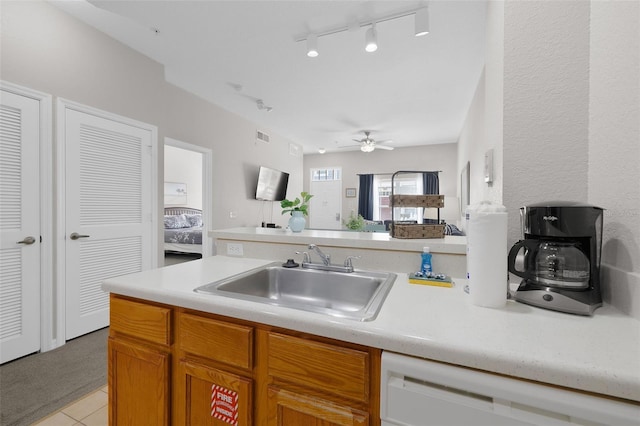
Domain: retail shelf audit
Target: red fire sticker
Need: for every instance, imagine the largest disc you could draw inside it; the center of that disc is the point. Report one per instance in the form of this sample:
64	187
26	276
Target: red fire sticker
224	404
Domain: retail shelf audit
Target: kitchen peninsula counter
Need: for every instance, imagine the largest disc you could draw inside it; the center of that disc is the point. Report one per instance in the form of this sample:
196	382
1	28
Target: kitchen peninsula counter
599	354
334	238
376	250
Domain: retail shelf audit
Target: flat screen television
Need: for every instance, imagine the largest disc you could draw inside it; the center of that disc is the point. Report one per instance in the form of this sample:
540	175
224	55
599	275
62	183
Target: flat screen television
272	184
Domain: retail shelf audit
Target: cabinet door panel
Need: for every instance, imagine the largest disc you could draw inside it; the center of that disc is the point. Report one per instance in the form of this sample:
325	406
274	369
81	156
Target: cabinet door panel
138	384
204	385
287	408
341	371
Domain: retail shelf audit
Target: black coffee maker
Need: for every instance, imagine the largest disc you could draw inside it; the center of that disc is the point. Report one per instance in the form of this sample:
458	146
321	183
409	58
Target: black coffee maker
559	257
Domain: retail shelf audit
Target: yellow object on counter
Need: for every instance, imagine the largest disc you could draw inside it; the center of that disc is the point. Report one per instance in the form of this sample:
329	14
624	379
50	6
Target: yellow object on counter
438	282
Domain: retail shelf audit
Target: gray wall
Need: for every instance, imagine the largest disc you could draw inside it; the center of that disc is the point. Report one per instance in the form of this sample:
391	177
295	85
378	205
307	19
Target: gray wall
429	157
50	51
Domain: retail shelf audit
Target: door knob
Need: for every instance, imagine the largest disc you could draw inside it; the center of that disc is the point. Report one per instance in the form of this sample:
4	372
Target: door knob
28	241
76	236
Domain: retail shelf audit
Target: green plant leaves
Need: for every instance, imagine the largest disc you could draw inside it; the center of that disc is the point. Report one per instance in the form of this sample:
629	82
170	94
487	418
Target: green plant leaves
297	205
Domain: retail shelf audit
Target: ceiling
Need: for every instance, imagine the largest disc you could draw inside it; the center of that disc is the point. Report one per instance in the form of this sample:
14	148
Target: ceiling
412	90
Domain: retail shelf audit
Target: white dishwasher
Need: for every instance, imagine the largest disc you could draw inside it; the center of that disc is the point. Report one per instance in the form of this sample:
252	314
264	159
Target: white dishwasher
419	392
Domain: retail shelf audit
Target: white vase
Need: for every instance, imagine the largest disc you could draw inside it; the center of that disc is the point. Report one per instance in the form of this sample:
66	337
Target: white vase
297	221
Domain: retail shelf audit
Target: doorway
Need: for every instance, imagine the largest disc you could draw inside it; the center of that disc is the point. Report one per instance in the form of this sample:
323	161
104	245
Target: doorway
187	202
325	208
25	222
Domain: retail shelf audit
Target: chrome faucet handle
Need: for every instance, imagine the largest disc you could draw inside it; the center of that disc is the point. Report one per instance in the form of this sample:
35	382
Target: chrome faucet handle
305	256
348	263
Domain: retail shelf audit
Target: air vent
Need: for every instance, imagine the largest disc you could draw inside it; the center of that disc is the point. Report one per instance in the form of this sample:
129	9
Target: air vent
262	136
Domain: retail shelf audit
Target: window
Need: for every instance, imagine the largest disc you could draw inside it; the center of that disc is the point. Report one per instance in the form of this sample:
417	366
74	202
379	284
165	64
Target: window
319	175
410	184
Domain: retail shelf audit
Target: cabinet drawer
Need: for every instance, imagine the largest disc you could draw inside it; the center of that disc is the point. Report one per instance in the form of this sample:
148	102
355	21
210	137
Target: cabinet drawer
340	371
220	341
140	320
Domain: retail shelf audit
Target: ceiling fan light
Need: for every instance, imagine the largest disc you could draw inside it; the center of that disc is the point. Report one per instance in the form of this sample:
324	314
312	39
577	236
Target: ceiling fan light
371	39
312	45
322	150
422	22
367	147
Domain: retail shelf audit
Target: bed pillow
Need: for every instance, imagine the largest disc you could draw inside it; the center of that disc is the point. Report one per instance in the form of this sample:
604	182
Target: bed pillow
176	222
195	220
452	230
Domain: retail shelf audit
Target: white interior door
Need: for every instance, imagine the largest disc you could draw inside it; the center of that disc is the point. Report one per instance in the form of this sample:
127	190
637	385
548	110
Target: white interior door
19	226
108	212
325	207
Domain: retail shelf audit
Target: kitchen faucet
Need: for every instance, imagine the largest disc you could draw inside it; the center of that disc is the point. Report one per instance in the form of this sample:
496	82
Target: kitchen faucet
326	258
326	261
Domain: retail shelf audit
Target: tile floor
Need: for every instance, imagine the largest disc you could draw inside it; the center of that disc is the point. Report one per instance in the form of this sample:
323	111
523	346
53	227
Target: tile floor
90	410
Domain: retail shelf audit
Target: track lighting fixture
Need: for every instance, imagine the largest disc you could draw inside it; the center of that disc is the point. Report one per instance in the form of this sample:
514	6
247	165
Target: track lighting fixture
312	46
422	22
421	16
371	39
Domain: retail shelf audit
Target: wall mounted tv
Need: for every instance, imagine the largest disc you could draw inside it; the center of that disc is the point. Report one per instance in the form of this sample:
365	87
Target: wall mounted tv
272	184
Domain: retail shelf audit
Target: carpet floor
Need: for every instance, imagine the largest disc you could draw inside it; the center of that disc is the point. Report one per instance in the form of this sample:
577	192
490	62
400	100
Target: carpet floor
38	385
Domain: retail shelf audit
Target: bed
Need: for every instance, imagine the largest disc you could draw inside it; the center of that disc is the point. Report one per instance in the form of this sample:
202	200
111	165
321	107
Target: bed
182	230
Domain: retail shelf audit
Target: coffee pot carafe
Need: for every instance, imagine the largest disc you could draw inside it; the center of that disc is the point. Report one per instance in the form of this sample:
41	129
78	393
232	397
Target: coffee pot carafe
552	263
559	257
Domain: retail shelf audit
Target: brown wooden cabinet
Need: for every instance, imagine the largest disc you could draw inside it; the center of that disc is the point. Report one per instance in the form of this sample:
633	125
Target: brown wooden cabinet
295	408
139	361
184	367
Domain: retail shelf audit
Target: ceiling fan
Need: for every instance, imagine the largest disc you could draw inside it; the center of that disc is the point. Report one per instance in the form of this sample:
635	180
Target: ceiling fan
367	144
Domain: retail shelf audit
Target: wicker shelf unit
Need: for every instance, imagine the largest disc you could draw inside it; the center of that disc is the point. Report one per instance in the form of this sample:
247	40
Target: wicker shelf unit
401	229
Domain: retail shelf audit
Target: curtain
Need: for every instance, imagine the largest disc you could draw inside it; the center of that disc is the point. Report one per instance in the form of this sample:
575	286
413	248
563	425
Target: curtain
365	197
431	186
431	183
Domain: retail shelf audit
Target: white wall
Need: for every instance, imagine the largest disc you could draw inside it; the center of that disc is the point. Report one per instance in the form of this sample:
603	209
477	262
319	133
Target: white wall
428	158
184	166
614	144
48	50
546	104
482	130
561	95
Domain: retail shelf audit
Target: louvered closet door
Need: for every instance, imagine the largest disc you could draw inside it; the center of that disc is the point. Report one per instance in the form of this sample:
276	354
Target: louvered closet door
108	219
19	226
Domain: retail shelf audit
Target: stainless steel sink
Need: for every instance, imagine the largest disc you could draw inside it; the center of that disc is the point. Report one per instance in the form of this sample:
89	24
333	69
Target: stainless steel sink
356	295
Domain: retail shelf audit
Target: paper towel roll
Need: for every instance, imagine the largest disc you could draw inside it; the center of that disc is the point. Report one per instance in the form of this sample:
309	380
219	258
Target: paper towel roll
487	254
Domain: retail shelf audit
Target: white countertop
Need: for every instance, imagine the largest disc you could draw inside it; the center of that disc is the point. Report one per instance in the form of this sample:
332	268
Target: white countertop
598	354
371	240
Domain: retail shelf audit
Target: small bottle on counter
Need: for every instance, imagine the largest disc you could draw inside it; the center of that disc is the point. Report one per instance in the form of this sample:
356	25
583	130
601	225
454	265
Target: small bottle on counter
426	267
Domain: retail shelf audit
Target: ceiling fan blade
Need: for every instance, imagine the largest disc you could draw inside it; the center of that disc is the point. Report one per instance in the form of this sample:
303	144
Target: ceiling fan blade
387	148
358	140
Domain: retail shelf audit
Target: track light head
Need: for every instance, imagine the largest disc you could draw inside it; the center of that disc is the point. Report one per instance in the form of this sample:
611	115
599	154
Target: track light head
422	22
312	45
371	39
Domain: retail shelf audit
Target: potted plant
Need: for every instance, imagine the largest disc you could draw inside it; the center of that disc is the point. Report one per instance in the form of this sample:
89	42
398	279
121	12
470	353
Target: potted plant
298	209
355	223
